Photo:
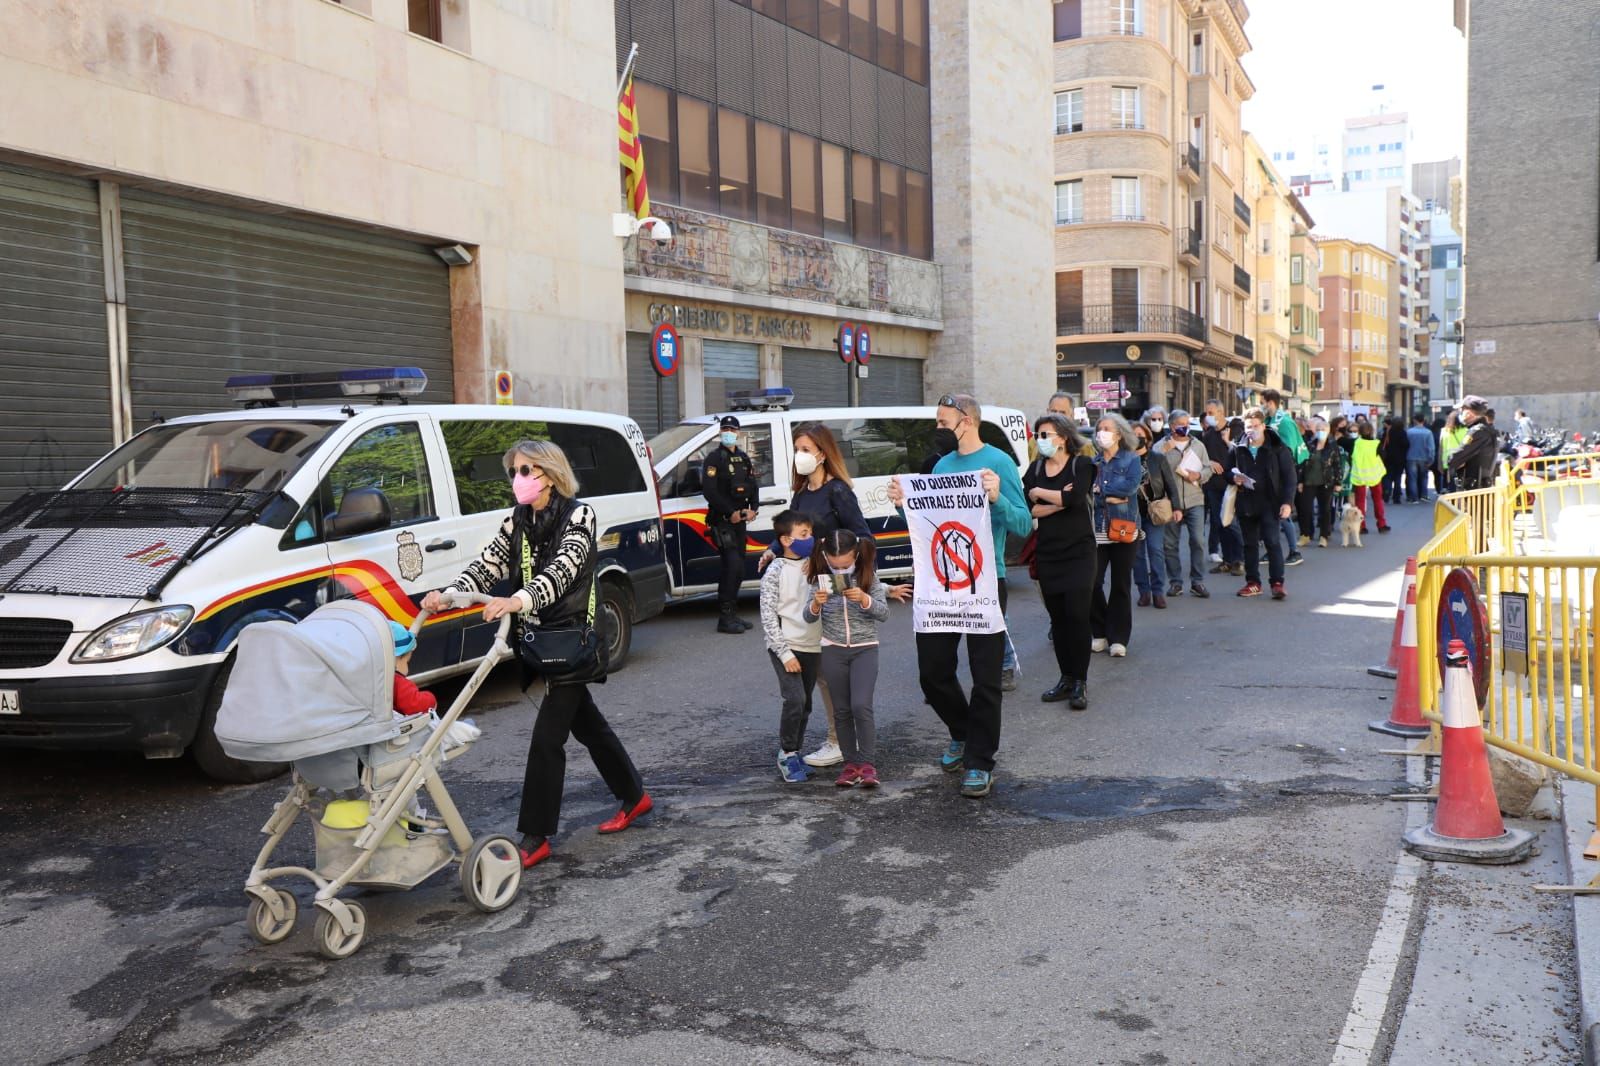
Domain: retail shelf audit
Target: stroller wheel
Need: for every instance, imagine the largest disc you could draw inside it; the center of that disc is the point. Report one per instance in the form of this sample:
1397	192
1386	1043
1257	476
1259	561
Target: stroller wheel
491	873
332	940
264	927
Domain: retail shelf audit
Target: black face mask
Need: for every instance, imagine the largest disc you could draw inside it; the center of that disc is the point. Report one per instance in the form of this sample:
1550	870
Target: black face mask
944	440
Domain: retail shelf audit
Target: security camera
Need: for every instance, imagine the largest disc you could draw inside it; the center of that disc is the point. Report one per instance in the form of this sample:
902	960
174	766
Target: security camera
656	230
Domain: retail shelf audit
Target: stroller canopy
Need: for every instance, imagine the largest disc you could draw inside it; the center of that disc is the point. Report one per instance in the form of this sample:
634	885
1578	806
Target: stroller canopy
312	688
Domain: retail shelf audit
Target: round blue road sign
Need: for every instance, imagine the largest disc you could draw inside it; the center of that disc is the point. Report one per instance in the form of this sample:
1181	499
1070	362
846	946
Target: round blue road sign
847	342
664	350
863	345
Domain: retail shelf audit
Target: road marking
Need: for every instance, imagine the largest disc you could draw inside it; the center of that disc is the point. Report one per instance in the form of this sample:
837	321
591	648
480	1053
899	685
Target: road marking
1365	1020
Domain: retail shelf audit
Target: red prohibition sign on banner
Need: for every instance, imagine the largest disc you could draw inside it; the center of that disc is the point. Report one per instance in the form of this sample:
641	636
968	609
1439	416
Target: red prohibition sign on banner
957	559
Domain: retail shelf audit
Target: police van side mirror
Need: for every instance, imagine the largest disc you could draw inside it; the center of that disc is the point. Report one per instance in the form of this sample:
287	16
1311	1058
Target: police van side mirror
361	511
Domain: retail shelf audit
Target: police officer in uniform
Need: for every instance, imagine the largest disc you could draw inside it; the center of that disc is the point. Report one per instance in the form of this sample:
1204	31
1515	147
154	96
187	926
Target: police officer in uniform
1474	462
729	481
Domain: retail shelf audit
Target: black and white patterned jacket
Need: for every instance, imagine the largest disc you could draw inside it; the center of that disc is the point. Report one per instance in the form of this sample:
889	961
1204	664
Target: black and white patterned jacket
562	540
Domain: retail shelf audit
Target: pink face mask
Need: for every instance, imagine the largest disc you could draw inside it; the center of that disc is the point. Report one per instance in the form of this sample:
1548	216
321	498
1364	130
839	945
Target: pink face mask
527	487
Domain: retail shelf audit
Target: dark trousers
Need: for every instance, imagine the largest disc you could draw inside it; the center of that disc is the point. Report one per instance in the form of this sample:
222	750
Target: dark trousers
852	675
1069	623
795	690
730	547
1316	509
569	710
1223	539
1253	525
974	722
1112	619
1416	480
1392	480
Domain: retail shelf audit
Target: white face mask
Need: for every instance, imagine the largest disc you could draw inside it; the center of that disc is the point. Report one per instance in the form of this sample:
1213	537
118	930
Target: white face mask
805	463
1105	438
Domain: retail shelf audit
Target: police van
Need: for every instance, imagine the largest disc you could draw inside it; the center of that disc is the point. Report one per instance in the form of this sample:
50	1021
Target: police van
122	595
877	443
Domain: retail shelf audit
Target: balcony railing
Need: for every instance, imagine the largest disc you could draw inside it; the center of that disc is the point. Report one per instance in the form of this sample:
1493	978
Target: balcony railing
1289	385
1064	129
1258	371
1136	318
1190	157
1189	243
1241	277
1241	209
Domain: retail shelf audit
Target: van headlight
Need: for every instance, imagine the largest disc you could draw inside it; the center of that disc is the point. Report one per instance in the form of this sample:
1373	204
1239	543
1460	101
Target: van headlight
134	634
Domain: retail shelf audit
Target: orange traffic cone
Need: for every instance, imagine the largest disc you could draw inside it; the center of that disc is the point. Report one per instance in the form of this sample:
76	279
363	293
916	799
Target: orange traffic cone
1466	823
1405	715
1391	667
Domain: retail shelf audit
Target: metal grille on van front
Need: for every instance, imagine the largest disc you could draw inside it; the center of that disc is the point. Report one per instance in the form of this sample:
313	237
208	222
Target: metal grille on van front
29	642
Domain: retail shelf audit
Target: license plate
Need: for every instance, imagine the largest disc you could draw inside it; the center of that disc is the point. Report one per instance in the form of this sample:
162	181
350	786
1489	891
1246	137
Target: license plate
10	702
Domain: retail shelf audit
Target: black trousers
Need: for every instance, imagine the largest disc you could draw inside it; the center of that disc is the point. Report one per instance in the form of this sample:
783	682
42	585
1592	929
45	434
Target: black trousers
730	547
974	722
1253	525
1322	496
570	710
1069	609
1112	619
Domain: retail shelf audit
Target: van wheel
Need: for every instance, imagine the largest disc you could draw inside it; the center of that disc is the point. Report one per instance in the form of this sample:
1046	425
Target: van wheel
207	751
615	614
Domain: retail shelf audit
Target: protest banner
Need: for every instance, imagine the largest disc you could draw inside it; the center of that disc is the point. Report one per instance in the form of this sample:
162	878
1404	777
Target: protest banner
953	560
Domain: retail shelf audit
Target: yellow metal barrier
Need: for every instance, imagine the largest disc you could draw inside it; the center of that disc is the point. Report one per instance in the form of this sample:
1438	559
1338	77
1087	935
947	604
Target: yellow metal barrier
1486	516
1520	476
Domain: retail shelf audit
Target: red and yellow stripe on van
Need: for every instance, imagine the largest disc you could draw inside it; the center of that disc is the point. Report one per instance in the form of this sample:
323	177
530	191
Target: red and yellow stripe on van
366	581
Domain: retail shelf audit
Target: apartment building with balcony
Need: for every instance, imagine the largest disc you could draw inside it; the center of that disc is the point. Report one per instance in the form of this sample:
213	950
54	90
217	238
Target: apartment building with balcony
1153	271
1355	279
1282	361
1305	303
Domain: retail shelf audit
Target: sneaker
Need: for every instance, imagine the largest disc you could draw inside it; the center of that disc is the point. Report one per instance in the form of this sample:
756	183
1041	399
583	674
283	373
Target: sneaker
1175	588
1215	557
1295	559
1099	644
1277	591
953	757
1199	591
1251	588
1236	569
1119	651
1221	567
1008	680
867	775
977	784
1322	542
1303	541
827	755
792	769
849	777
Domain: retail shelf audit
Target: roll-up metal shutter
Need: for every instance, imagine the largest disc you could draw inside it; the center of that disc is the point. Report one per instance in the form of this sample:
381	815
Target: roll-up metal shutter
729	366
55	375
818	379
642	386
214	292
893	381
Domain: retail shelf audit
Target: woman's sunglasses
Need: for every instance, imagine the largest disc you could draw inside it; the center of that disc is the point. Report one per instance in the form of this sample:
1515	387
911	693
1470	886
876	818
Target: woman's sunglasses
525	470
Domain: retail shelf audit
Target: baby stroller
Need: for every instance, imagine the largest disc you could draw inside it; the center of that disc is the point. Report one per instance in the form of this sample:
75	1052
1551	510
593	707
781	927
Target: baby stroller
320	696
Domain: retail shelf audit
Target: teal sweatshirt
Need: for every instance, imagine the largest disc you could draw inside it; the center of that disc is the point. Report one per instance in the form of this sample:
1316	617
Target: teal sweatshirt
1008	514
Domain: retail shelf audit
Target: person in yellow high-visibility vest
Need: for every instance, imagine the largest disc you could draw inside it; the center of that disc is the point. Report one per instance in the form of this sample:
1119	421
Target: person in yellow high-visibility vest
1366	474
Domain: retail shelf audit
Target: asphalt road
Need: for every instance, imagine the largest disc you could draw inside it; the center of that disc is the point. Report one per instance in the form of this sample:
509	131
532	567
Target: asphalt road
1189	872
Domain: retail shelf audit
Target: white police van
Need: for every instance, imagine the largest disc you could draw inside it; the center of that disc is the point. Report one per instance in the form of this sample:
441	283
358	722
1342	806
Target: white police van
877	442
121	595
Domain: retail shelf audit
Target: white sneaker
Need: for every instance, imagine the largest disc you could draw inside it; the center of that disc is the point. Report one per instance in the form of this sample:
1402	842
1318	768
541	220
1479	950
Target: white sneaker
1215	557
827	755
1098	644
1118	651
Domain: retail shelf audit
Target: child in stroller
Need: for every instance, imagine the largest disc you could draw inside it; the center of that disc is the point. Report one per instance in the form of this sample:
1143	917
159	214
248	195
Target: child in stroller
322	696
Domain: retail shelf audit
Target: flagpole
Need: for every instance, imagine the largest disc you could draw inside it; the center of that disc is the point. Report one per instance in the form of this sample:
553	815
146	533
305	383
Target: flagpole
627	69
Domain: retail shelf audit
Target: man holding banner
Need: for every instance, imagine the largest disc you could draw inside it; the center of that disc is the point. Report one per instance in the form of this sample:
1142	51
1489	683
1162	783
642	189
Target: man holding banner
959	516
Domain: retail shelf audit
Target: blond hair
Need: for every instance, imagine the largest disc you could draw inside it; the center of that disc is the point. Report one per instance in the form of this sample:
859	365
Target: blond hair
550	460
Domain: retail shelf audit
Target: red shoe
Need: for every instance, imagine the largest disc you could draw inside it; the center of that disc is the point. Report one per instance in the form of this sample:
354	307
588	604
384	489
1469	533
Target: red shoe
533	854
850	776
868	776
1277	590
1251	588
625	817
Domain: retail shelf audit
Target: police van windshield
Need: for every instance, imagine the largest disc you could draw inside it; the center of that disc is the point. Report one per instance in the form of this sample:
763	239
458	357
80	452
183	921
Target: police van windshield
672	438
242	456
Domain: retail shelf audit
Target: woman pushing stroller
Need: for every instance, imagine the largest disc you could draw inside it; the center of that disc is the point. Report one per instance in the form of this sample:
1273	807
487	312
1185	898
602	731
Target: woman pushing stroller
546	547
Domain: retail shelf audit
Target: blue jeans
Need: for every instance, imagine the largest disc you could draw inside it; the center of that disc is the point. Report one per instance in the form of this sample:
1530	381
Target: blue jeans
1291	535
1417	479
1224	539
1150	560
1194	523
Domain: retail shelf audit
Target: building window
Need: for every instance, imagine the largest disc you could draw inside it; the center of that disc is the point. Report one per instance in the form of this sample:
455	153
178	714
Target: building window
914	33
772	193
1069	300
862	35
1266	305
891	205
1452	258
804	179
1126	205
1297	319
1069	111
1452	289
654	105
835	200
1197	54
695	170
1069	19
1125	298
889	40
1125	17
733	164
833	22
1069	202
863	201
802	15
1297	270
919	216
1316	380
1126	113
1355	262
424	19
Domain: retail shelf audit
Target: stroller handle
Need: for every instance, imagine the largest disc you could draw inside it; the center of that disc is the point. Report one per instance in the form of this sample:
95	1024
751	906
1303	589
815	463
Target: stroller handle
457	598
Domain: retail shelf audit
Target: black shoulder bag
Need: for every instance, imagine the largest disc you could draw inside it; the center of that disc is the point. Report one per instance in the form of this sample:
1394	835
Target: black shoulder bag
562	655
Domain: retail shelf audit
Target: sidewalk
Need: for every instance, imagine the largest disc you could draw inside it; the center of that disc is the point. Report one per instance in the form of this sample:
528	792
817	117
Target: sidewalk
1577	807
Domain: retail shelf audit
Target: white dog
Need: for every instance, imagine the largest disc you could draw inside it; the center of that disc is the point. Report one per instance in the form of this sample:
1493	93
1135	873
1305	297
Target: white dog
1350	525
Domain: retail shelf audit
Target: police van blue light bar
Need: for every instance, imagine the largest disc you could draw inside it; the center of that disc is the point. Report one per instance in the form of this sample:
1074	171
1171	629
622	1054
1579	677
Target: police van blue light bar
381	383
777	399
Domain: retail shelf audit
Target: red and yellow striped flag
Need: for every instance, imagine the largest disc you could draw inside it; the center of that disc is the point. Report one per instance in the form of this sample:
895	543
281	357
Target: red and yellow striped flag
631	152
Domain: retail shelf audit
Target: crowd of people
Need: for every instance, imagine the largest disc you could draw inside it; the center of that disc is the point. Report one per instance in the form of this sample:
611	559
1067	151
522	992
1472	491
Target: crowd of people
1104	509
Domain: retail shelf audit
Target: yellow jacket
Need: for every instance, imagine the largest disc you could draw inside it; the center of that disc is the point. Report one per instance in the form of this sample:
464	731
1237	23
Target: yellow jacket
1366	467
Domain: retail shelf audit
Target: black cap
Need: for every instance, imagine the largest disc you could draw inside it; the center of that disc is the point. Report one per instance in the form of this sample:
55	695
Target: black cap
1475	403
729	422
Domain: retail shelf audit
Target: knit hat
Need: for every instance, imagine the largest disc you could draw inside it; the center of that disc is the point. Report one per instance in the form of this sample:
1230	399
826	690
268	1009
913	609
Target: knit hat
404	642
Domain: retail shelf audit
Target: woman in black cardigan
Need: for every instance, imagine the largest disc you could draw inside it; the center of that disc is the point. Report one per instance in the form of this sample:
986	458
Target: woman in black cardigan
1059	487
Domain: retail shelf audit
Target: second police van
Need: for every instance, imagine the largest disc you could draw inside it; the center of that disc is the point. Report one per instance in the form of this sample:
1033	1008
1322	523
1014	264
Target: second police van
877	443
122	595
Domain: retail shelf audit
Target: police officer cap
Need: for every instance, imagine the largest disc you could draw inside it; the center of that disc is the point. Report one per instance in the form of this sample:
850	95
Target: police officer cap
729	422
1474	403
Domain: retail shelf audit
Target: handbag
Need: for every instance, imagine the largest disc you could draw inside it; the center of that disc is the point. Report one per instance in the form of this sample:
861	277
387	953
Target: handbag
1159	511
1122	530
1230	502
562	655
